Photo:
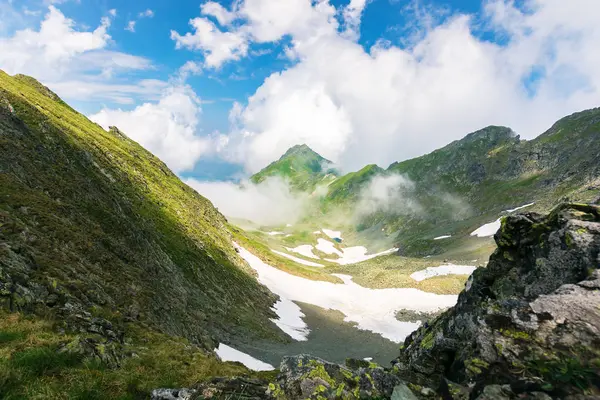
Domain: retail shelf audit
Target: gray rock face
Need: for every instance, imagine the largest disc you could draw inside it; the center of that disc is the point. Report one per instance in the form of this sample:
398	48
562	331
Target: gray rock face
530	320
307	377
172	394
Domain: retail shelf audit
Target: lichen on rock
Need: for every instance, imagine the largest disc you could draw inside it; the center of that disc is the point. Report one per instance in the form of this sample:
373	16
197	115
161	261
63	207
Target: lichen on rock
530	320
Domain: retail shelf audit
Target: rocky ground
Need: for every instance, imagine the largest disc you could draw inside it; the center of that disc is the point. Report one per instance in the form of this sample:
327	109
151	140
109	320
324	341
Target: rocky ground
527	326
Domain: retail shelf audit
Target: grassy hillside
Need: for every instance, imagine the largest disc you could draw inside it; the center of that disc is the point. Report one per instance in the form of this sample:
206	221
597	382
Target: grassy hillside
471	181
349	186
100	238
301	166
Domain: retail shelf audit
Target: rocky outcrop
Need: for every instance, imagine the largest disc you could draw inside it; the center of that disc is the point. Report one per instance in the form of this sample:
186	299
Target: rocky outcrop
307	377
528	323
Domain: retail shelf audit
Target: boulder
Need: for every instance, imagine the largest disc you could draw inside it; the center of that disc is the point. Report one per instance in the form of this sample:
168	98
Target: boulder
530	320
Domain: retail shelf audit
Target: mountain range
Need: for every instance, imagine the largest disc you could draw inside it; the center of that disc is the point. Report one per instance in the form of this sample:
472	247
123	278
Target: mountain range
457	188
119	281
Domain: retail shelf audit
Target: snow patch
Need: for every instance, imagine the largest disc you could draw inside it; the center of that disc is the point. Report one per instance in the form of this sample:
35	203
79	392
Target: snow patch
274	233
227	353
298	260
491	228
348	255
327	247
449	269
332	234
356	254
305	250
518	208
442	237
371	309
290	319
488	229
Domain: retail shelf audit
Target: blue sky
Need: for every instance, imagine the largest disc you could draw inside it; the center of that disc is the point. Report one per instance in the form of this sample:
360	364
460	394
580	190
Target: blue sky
359	81
382	20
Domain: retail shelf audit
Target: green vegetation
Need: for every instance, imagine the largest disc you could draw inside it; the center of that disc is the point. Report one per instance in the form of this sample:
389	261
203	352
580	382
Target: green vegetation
99	237
258	244
469	183
393	271
35	365
302	167
349	186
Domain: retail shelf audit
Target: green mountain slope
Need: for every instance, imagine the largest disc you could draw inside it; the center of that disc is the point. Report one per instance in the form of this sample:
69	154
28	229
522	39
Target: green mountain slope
470	182
98	236
349	186
492	170
301	166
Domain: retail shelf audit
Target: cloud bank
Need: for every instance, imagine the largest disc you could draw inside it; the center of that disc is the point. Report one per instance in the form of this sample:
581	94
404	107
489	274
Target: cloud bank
392	102
167	128
76	63
269	203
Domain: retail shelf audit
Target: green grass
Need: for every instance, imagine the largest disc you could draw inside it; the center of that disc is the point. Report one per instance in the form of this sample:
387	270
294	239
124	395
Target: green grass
33	367
90	215
301	167
258	245
392	271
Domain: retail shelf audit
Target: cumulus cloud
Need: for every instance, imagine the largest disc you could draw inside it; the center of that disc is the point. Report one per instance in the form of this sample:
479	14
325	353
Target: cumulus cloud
57	40
352	16
72	61
167	128
389	103
263	21
187	69
220	13
269	203
218	46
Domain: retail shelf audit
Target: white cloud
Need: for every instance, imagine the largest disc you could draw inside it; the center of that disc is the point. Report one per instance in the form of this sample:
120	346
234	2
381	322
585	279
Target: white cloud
187	69
264	21
269	203
390	103
352	14
167	128
146	14
56	41
218	46
72	61
220	13
391	194
31	13
121	93
113	12
130	26
269	21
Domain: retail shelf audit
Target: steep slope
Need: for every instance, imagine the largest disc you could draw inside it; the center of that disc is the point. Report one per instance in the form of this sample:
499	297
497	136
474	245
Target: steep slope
98	233
470	181
529	322
348	187
493	169
301	166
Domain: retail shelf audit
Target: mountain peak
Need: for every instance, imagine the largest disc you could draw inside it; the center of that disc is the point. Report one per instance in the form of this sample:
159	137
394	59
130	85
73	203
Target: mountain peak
300	165
302	150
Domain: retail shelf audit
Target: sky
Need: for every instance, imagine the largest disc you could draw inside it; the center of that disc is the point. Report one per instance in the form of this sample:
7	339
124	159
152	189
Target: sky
219	89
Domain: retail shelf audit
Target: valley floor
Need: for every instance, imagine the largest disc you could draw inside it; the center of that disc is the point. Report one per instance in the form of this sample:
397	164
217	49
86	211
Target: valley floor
335	310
